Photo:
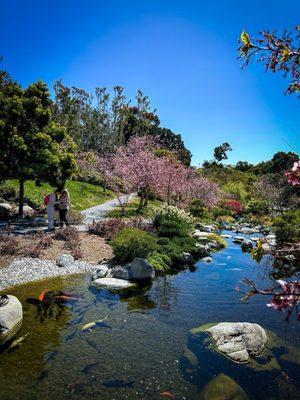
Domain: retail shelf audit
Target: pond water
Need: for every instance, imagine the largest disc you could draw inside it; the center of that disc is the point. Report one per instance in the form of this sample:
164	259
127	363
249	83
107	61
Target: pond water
138	352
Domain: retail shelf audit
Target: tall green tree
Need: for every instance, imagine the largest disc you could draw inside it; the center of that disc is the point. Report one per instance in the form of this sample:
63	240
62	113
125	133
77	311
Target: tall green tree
220	152
32	146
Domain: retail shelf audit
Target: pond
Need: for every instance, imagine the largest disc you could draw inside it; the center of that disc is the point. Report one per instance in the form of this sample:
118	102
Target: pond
138	350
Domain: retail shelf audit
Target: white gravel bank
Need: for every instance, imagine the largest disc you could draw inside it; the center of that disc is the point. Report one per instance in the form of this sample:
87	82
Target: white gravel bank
24	270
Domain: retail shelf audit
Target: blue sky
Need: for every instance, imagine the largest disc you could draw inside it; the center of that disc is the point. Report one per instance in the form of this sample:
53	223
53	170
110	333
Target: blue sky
182	54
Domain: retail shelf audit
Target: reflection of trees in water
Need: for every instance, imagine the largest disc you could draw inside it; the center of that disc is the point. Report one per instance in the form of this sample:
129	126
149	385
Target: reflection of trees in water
138	298
166	293
163	295
270	268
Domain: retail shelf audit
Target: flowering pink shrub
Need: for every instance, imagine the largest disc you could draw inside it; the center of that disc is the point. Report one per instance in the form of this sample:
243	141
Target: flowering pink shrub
233	205
288	298
293	176
138	167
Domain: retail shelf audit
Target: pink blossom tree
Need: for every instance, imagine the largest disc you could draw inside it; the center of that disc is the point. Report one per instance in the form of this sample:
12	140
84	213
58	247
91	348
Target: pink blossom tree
140	167
136	167
293	176
199	188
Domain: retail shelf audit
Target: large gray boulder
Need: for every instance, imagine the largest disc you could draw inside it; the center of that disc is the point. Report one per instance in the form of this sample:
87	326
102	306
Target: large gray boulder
140	270
5	210
11	316
239	340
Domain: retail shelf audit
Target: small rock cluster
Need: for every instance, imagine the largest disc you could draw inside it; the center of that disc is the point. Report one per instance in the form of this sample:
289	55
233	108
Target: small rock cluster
7	210
122	277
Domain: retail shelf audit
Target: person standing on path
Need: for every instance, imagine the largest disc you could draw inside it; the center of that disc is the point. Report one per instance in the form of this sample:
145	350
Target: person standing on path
50	202
63	207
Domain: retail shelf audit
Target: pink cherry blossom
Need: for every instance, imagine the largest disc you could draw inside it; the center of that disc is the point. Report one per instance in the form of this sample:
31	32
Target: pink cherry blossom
293	176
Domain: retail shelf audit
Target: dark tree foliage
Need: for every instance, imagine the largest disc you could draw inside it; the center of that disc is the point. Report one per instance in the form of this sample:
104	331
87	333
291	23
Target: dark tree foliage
244	166
32	146
173	142
280	163
220	152
277	52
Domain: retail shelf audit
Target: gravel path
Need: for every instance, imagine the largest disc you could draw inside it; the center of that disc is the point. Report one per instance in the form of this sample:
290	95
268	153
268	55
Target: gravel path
98	213
24	270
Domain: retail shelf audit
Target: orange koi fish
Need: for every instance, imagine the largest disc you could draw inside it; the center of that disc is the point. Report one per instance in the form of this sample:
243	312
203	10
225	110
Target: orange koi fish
42	296
168	394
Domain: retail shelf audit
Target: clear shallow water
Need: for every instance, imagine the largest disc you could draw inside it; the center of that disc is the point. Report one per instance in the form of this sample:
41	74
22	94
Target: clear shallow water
147	334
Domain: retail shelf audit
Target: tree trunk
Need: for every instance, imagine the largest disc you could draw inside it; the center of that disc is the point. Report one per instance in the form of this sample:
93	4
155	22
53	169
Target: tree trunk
141	201
21	196
104	187
146	199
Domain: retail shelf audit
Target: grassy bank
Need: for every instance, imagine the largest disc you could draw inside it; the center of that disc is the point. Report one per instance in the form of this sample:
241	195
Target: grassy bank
83	195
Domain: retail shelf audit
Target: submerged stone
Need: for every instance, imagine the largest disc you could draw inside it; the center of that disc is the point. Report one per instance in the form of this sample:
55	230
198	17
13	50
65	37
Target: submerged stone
112	283
223	388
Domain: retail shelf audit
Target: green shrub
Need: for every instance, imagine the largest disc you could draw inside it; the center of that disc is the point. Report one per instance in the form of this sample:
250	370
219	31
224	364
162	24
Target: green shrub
131	242
171	250
287	228
221	241
172	213
187	244
160	262
170	228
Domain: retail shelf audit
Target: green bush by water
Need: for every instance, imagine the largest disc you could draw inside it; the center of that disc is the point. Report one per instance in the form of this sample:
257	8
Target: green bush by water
131	242
287	228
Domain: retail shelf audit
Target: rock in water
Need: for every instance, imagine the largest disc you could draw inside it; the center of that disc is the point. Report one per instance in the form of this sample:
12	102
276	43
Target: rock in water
246	245
239	340
11	316
101	271
238	239
223	388
186	258
65	260
140	270
112	283
207	259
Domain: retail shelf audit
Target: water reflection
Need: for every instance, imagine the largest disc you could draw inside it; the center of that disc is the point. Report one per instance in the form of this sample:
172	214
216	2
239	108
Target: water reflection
147	349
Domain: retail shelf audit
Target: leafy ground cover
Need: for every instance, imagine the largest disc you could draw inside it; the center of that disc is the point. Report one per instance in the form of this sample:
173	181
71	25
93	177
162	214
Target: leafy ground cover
131	209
